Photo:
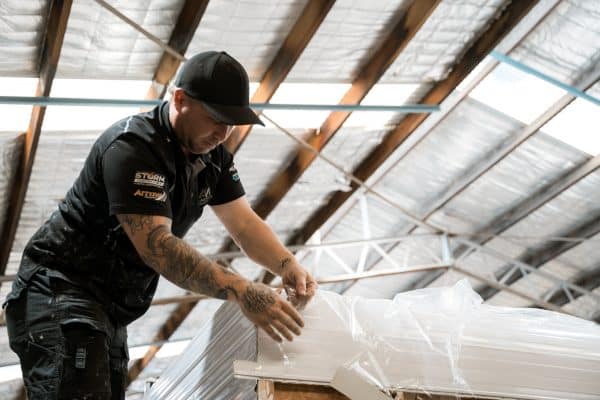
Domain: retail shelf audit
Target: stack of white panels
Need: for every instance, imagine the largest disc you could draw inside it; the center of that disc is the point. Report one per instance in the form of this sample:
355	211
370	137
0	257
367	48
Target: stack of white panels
441	340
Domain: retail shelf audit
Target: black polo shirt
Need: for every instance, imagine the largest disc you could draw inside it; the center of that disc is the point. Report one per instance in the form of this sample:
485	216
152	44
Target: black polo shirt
136	166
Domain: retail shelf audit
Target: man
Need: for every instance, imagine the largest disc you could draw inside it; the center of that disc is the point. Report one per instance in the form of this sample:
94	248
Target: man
93	267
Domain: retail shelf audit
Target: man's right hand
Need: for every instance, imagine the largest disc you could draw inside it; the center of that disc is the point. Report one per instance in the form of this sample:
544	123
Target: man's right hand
276	316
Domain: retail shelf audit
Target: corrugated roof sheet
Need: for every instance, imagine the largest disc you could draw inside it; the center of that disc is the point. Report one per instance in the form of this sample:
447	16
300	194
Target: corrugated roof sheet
566	42
22	27
252	31
432	53
352	30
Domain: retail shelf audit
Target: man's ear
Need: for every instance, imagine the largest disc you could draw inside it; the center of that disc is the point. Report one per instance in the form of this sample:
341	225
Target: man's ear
178	98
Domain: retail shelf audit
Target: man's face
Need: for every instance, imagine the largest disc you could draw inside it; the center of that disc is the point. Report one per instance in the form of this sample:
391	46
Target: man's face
197	131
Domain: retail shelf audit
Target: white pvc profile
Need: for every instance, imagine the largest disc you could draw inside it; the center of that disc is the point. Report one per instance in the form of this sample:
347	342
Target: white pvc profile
439	341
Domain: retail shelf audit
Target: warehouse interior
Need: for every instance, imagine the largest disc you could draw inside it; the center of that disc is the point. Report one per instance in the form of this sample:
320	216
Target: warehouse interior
407	144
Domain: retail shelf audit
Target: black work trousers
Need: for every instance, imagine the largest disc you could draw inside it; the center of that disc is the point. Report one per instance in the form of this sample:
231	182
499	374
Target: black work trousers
67	345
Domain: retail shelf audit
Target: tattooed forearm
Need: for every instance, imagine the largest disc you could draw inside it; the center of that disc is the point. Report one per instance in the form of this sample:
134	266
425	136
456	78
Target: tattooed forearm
177	261
257	299
136	223
185	266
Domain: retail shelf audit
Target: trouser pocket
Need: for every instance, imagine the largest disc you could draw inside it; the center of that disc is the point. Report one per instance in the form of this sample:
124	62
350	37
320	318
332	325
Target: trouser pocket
40	353
86	365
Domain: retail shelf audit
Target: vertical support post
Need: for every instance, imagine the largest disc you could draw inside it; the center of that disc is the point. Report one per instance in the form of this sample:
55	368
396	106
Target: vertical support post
366	232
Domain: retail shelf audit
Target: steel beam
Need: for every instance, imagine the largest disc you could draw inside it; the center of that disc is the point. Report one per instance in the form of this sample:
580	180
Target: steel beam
91	102
588	279
539	256
525	268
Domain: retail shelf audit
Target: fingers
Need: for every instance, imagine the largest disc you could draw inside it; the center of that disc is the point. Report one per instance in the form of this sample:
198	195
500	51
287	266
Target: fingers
301	284
271	332
311	286
284	325
293	313
283	330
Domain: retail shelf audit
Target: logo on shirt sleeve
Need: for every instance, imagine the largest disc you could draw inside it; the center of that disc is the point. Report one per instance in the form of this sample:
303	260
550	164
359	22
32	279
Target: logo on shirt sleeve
152	195
142	178
204	196
234	173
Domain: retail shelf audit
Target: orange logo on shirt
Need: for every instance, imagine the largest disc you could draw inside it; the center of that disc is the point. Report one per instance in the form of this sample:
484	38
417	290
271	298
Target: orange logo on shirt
148	194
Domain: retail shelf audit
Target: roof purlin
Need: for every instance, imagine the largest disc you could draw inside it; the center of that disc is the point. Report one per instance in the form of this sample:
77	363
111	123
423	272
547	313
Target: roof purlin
398	39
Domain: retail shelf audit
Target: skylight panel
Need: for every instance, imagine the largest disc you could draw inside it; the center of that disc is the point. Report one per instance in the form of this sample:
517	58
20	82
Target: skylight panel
578	125
381	95
305	93
516	93
19	115
92	117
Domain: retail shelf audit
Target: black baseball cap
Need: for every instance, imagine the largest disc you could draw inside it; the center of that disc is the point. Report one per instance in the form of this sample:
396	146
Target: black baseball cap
220	83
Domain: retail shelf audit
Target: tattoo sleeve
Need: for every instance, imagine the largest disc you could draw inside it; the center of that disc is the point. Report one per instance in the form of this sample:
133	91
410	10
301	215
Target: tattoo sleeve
177	261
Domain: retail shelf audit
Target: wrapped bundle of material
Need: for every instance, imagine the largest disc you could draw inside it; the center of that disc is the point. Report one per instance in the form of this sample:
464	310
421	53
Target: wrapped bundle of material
205	369
435	341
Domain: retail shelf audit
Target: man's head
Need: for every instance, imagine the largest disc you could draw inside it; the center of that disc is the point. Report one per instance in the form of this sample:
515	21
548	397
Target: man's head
211	95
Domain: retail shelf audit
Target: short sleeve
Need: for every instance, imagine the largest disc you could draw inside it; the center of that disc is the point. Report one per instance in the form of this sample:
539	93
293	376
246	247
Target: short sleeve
135	180
229	185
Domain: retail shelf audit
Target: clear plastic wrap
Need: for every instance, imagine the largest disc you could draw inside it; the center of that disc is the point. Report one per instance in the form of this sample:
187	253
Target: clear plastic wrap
438	340
433	341
205	369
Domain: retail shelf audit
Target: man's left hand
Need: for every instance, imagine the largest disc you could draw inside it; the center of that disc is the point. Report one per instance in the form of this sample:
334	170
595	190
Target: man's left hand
299	284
